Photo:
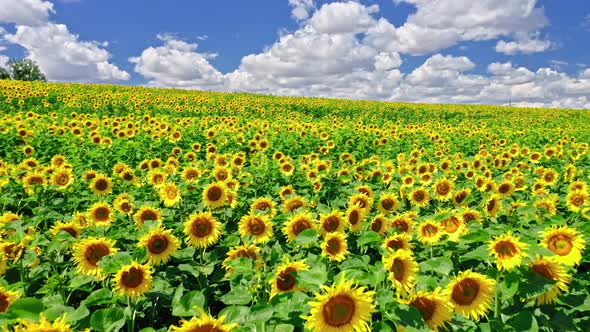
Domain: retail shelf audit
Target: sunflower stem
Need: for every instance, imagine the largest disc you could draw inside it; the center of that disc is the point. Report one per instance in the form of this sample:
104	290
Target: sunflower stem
496	298
131	306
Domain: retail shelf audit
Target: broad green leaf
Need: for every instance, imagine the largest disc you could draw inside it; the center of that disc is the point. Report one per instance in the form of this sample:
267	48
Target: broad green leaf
308	236
238	296
189	304
25	308
523	321
440	265
369	237
107	320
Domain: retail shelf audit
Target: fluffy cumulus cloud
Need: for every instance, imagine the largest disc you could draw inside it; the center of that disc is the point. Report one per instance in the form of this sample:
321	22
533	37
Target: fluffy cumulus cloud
63	57
300	8
25	12
522	46
176	63
439	24
60	53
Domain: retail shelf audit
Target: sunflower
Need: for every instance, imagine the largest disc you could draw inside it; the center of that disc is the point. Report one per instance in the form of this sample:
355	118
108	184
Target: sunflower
6	298
398	241
44	325
435	308
454	227
379	224
215	195
9	217
133	280
71	228
222	173
549	177
552	270
101	214
160	245
202	229
286	192
468	215
264	205
402	268
33	181
492	205
191	174
429	232
547	205
565	242
472	294
124	206
505	189
443	189
257	226
293	203
354	217
419	197
508	251
62	178
156	177
297	224
335	246
342	308
169	194
88	252
576	199
388	203
362	201
402	224
285	281
101	185
332	222
246	251
204	323
459	197
147	213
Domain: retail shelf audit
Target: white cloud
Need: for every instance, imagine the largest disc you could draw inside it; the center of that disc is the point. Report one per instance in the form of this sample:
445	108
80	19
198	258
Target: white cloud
523	46
63	57
439	24
301	8
25	12
343	17
177	64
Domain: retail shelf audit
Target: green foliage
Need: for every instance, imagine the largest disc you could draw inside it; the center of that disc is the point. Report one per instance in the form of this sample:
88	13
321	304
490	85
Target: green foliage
25	70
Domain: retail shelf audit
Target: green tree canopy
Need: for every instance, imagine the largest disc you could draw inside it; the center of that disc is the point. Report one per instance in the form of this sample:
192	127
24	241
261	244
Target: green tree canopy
25	70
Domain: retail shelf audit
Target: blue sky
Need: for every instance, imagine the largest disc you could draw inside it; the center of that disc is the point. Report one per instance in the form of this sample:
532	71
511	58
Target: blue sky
526	52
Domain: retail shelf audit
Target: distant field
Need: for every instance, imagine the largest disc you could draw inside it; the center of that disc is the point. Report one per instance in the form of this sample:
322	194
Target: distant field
129	208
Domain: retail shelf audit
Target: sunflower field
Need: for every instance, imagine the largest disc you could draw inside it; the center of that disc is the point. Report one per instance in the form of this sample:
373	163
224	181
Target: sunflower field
139	209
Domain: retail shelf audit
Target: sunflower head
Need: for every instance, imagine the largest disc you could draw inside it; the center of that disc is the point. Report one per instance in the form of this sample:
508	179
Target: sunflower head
202	230
508	251
246	251
335	246
58	325
101	214
101	185
354	218
429	232
160	245
169	194
551	270
402	268
332	222
297	224
88	252
215	195
146	213
435	308
388	203
293	203
6	298
71	228
285	280
566	243
263	205
257	226
341	307
472	294
133	280
204	323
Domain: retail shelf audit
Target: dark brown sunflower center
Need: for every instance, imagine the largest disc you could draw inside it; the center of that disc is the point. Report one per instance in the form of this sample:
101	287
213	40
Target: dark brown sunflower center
426	307
72	231
560	244
36	180
333	246
465	291
101	213
339	310
549	177
353	217
300	225
401	225
376	225
204	328
256	226
191	175
419	196
221	176
504	188
148	215
577	199
429	230
3	302
101	185
460	197
157	244
505	249
214	193
443	188
491	205
293	205
171	192
95	252
132	278
396	244
62	179
543	270
261	206
387	204
201	227
451	225
398	269
331	224
285	280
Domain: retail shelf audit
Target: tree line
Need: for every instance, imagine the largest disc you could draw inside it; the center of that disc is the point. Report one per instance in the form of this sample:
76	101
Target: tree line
22	70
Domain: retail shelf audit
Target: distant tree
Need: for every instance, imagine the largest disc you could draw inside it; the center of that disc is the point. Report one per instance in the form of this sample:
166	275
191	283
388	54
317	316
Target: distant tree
4	74
26	70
